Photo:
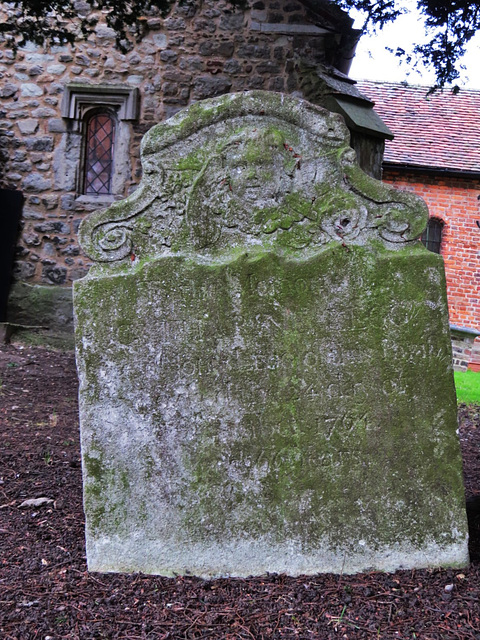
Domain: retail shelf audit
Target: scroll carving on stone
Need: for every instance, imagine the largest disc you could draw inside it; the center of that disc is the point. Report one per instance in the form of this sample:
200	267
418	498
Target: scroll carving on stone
247	176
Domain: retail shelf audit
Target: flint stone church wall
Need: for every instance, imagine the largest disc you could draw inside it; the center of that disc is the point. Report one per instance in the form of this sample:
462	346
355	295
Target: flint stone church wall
200	50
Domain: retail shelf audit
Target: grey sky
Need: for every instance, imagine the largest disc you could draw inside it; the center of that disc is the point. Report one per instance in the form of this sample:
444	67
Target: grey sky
374	62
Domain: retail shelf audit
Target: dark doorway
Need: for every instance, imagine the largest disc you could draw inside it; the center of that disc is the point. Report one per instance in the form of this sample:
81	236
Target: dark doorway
11	203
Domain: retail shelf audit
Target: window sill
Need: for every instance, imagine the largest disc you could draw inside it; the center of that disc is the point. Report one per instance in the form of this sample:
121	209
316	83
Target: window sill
83	199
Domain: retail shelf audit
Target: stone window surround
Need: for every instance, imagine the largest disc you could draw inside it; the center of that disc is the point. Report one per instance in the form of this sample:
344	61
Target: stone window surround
79	101
78	98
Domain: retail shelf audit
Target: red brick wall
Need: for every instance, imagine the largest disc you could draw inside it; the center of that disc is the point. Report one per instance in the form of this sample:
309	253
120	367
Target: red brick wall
456	202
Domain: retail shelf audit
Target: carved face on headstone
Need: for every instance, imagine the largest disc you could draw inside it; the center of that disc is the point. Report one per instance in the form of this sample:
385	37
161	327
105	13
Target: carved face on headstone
249	180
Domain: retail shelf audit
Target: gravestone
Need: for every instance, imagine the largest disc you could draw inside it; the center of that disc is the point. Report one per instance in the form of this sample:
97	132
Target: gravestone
264	358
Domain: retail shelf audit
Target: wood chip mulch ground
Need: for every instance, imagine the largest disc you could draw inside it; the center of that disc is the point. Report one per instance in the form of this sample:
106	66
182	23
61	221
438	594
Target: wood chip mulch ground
47	593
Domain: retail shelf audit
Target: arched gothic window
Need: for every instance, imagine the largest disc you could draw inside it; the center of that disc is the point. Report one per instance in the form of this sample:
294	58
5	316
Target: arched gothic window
100	170
432	236
98	163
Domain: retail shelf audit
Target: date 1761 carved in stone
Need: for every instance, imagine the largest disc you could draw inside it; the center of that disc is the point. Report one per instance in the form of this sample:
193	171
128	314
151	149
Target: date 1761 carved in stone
264	358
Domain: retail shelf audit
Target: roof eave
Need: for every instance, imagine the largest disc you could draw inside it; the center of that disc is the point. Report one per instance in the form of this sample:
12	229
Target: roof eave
406	167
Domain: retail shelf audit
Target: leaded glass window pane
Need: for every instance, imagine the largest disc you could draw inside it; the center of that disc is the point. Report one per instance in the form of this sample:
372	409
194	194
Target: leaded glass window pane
99	154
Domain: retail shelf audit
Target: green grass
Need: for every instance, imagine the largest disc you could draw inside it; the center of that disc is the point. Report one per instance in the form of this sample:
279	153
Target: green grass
468	387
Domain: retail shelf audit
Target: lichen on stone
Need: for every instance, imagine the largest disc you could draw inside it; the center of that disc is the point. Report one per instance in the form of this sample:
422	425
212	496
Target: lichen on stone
264	359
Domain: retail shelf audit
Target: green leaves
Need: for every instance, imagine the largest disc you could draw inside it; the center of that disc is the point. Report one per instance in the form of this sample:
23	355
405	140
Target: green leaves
57	22
450	26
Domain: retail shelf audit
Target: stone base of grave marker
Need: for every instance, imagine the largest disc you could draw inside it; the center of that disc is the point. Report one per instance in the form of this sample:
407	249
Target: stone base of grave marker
263	407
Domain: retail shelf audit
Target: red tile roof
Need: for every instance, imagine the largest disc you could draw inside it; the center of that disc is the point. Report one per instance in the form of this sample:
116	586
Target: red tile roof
438	131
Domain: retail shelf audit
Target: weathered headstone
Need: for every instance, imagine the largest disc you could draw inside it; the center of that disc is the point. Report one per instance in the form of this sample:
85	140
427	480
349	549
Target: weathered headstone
264	356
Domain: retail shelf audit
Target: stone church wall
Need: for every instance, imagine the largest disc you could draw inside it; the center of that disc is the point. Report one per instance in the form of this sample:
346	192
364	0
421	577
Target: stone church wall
200	50
192	54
